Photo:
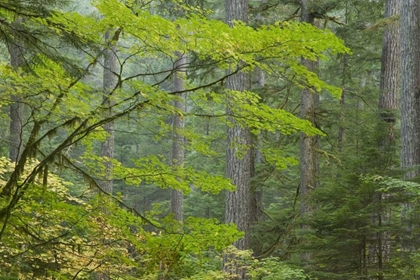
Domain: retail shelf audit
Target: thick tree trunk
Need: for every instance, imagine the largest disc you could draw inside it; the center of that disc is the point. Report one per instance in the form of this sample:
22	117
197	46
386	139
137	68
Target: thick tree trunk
238	169
410	82
309	163
16	108
388	110
390	74
308	144
236	10
110	80
410	105
177	139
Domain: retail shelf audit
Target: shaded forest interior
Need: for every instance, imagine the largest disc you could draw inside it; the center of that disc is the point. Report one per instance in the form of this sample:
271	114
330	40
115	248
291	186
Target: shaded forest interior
235	139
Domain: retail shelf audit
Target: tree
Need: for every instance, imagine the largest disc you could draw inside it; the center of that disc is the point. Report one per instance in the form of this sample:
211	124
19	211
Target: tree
24	42
16	49
44	226
177	127
410	75
238	163
309	162
390	73
410	87
388	110
110	82
238	155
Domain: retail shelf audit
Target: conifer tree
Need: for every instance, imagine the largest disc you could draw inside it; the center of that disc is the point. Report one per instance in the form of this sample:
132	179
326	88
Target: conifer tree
238	156
390	73
389	111
110	80
410	57
410	105
309	162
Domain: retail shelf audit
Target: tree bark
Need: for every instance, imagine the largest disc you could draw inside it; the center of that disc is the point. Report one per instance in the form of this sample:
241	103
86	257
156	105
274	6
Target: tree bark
410	105
16	108
257	191
390	74
109	83
238	169
308	144
388	110
309	162
110	80
410	85
177	197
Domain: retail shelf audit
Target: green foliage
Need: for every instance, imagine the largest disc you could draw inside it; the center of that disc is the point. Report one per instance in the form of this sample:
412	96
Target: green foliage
48	232
263	269
274	269
51	233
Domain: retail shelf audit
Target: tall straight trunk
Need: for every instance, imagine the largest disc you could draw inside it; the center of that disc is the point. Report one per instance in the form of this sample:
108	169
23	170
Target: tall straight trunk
341	129
109	83
16	108
388	109
110	80
257	192
256	208
410	105
177	139
309	162
390	74
410	85
238	169
308	144
257	213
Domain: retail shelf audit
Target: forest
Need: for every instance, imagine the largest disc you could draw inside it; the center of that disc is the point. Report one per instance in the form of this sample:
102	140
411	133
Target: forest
210	139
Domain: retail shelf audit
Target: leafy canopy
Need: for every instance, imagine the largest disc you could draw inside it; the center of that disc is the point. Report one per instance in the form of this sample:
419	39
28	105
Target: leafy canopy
47	231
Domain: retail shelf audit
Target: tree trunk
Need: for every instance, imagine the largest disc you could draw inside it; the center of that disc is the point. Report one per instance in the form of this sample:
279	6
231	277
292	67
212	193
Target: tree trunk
388	110
308	144
410	82
177	139
410	107
341	128
256	208
257	192
390	74
110	80
238	169
16	108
